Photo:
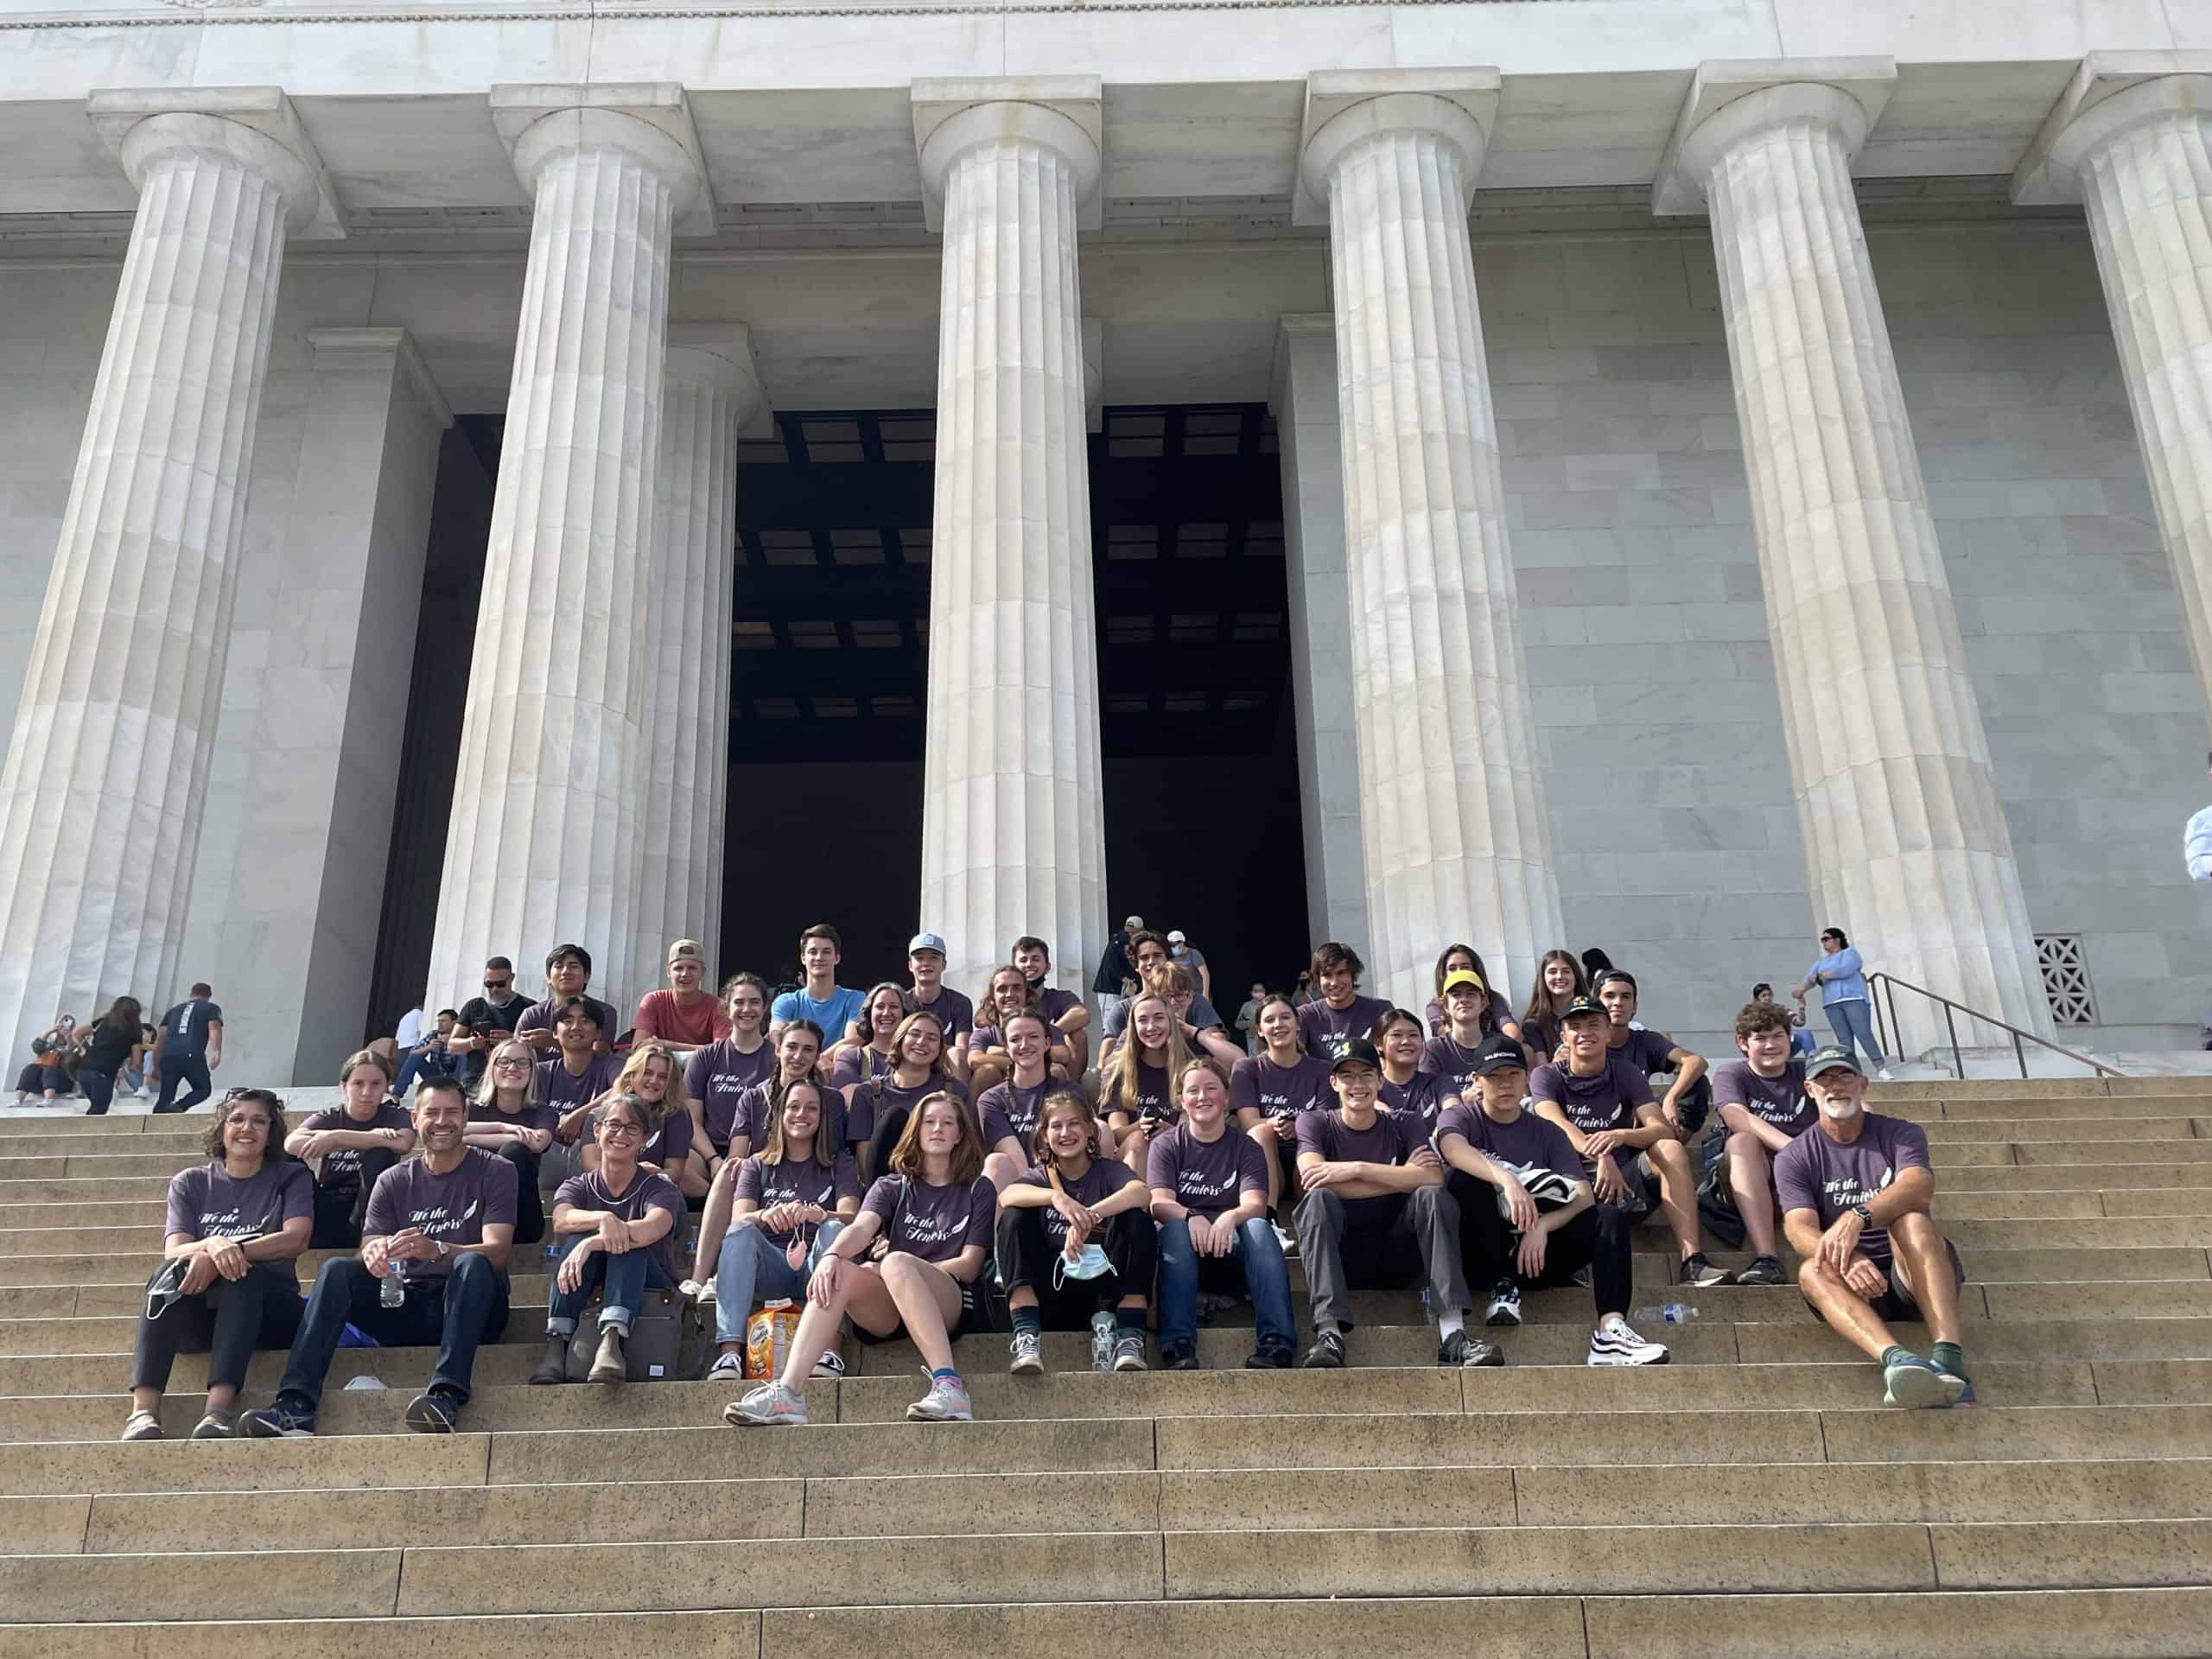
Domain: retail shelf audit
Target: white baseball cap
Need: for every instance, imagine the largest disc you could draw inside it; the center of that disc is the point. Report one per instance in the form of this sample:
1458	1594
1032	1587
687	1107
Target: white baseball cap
1176	938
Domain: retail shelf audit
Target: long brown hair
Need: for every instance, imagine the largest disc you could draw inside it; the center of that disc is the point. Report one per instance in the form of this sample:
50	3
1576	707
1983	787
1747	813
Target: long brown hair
825	1149
966	1153
1122	1082
1542	1005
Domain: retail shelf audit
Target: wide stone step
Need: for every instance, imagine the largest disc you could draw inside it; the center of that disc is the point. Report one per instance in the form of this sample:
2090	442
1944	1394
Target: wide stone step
2080	1174
94	1189
187	1147
1970	1131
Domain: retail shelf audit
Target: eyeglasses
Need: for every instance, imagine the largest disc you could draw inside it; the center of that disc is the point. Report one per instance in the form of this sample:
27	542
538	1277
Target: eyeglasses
245	1121
511	1063
622	1126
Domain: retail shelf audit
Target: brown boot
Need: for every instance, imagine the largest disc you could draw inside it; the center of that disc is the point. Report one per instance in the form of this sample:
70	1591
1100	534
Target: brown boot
610	1365
552	1361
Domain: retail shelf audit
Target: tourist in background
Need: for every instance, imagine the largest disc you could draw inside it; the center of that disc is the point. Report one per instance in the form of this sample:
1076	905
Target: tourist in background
1841	977
1191	960
192	1046
109	1050
487	1018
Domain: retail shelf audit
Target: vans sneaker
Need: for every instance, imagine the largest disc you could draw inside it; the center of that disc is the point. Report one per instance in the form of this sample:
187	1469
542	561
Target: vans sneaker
831	1364
1026	1354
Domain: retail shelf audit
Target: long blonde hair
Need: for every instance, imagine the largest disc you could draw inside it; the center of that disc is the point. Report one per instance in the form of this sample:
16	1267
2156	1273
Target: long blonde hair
487	1091
633	1073
1122	1081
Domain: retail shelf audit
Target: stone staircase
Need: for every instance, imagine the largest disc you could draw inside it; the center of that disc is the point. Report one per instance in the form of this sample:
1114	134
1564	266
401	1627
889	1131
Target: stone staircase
1752	1497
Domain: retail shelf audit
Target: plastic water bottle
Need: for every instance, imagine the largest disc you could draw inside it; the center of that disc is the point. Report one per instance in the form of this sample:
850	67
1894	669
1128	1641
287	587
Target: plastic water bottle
391	1289
1667	1313
1101	1341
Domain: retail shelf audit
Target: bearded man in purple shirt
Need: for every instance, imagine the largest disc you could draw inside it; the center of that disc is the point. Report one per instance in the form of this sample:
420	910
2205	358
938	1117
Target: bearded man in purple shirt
1856	1192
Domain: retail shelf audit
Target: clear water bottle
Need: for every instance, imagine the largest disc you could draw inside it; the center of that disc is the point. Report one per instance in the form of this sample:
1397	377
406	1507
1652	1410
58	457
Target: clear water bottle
391	1289
1667	1313
1101	1341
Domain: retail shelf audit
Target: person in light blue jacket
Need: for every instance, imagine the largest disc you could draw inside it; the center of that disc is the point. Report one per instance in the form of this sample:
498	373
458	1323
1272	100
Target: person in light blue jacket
1842	979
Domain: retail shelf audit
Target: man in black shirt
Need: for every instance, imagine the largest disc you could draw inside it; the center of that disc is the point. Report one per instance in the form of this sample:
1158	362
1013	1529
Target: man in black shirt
486	1019
192	1046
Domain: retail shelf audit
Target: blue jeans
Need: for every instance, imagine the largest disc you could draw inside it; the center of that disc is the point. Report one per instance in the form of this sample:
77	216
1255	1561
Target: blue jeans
753	1265
458	1311
424	1062
1267	1280
1853	1019
628	1277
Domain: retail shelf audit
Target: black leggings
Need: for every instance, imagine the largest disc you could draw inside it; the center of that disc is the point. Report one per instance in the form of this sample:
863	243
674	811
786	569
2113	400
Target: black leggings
226	1321
529	1204
1026	1252
1597	1239
339	1214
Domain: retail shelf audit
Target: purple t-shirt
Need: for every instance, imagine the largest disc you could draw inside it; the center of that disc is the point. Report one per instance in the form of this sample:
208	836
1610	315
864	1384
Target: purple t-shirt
206	1202
870	1105
1017	1106
1055	1003
341	1169
954	1010
562	1090
538	1016
857	1065
1392	1138
647	1191
1815	1173
1647	1050
1206	1177
545	1115
1105	1176
1151	1093
1279	1093
1781	1102
1529	1143
1445	1057
717	1075
935	1223
1329	1031
797	1180
1421	1097
1607	1101
455	1206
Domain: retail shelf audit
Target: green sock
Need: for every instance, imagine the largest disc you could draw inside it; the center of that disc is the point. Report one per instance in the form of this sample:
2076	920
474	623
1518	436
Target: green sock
1893	1353
1028	1319
1950	1357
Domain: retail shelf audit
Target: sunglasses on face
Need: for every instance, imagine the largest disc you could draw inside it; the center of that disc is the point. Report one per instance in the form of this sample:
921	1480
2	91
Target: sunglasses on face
496	984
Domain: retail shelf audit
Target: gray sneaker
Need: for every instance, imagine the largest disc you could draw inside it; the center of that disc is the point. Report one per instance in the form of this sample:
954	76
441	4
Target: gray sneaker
1028	1352
142	1425
1128	1351
945	1402
217	1425
771	1404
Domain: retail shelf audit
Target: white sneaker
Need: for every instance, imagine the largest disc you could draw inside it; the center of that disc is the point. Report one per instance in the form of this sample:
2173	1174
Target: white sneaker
1615	1343
831	1364
772	1404
1504	1307
1882	1075
945	1402
1289	1244
726	1368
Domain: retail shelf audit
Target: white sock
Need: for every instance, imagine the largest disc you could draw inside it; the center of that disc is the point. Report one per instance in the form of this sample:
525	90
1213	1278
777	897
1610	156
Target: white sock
1448	1324
1612	1320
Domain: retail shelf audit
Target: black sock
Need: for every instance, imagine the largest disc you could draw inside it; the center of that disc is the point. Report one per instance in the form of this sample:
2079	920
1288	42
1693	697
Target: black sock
1026	1319
1128	1322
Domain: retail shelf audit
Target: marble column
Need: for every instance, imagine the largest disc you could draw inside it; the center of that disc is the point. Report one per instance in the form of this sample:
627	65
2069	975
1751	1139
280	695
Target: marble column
1905	844
1012	829
544	844
2137	154
1455	827
106	775
1304	400
710	392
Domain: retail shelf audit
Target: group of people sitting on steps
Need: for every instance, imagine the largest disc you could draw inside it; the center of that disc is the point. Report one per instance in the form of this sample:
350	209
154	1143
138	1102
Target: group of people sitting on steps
894	1161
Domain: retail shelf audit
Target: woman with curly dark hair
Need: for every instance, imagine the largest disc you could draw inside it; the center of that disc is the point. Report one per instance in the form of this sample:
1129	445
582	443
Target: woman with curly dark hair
236	1224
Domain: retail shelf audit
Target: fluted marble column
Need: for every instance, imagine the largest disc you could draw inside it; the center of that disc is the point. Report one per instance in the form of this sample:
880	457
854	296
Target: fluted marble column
2140	158
709	392
1012	829
1454	821
544	843
106	775
1906	843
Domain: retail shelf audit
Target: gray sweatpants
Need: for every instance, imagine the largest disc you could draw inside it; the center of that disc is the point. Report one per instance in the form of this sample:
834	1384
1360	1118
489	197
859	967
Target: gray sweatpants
1421	1245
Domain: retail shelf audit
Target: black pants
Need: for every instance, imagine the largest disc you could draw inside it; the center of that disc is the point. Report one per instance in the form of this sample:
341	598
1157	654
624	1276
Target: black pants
459	1311
1026	1252
39	1076
226	1321
183	1068
339	1215
529	1204
889	1125
97	1088
1598	1239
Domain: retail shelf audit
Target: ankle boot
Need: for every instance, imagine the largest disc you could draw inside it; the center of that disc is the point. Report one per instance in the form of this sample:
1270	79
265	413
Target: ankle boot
552	1361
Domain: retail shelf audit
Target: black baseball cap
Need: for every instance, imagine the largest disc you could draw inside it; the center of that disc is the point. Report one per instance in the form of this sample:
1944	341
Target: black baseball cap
1358	1052
1584	1005
1499	1053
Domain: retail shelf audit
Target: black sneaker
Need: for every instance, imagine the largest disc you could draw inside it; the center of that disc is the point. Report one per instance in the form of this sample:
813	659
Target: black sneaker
1696	1270
1327	1353
1763	1270
1465	1350
435	1412
1271	1356
1179	1359
288	1420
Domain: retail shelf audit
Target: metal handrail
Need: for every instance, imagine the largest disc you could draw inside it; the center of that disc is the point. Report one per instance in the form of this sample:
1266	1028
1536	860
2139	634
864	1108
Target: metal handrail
1879	983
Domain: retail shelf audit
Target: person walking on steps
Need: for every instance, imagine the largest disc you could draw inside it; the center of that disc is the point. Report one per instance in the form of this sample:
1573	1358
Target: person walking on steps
192	1046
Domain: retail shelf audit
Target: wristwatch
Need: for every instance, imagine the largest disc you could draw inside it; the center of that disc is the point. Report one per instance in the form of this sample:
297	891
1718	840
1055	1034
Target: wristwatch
1863	1213
446	1250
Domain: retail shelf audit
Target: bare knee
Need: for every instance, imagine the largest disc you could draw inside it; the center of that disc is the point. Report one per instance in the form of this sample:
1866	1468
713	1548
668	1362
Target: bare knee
1002	1170
1746	1151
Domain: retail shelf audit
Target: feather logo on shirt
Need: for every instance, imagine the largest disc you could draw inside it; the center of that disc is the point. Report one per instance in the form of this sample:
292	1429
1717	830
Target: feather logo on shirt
472	1205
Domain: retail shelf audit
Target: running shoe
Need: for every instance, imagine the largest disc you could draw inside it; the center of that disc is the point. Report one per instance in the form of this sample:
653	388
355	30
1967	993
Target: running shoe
1920	1384
1027	1354
1615	1343
772	1404
945	1402
1504	1304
